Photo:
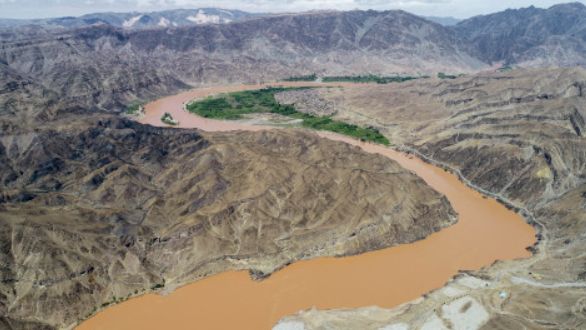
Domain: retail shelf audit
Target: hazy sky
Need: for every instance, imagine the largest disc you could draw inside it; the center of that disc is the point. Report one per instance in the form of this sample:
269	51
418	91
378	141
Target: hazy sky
455	8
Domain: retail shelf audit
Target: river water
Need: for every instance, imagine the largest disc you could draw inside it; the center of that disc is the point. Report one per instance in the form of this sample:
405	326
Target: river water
486	231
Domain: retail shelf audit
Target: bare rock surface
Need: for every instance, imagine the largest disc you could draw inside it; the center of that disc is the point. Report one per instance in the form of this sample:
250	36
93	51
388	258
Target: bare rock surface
97	208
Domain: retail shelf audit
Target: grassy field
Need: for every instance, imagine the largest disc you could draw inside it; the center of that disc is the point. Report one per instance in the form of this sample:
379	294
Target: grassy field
234	105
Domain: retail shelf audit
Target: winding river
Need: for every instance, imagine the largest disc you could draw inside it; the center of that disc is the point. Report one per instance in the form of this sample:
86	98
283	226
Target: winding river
486	231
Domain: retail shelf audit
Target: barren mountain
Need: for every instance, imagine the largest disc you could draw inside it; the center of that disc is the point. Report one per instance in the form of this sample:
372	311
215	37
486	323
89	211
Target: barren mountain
517	135
530	36
104	66
97	210
91	60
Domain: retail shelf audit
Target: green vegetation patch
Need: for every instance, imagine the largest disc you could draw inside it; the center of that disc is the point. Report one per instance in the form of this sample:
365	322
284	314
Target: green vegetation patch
370	134
442	75
371	79
234	105
157	286
310	77
168	119
133	108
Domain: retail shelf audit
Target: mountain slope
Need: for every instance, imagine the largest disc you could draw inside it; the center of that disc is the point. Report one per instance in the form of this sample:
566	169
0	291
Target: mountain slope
530	36
117	208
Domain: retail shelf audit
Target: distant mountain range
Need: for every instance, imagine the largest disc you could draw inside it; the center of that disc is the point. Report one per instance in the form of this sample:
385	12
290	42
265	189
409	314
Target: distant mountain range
167	18
524	37
126	63
445	21
105	60
529	36
137	20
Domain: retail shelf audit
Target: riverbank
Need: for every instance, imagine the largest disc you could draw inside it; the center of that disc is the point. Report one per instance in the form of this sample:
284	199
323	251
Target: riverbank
486	231
499	148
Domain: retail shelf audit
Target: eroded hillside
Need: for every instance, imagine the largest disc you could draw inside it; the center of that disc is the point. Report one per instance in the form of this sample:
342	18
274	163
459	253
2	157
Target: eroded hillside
517	135
98	210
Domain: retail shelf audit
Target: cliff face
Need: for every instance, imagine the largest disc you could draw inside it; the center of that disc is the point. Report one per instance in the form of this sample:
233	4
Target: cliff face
520	136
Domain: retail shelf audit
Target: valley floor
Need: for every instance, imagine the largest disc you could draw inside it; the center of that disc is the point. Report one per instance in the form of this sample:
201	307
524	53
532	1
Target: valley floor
486	231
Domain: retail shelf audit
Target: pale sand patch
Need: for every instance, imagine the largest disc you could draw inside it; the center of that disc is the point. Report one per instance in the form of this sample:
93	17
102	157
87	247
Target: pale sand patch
451	292
289	325
472	282
396	326
465	314
434	323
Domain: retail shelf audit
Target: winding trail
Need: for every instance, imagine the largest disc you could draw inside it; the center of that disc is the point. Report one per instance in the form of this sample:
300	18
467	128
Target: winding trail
486	231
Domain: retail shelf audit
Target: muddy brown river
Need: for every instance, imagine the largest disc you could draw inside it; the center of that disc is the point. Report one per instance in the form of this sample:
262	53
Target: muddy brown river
486	231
